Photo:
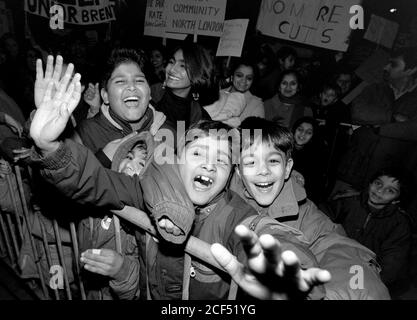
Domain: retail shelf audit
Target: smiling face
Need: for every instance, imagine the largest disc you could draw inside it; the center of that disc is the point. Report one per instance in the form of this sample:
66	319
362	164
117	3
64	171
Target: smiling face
303	133
127	92
135	161
264	170
157	59
289	85
205	166
243	78
176	75
383	191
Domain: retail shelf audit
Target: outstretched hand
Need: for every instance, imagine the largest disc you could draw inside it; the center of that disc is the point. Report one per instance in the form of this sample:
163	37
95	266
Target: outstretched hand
57	103
273	275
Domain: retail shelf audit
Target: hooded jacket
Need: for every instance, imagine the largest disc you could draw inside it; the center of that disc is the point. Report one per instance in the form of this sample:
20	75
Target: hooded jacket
334	251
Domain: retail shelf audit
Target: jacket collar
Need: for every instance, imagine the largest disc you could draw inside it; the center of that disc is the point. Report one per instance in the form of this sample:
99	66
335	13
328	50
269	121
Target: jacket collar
285	205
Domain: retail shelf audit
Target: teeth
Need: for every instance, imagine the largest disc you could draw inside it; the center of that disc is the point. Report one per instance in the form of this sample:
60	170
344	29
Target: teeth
173	78
263	185
131	99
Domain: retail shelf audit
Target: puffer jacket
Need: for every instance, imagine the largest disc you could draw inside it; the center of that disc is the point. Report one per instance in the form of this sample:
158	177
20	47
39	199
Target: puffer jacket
340	255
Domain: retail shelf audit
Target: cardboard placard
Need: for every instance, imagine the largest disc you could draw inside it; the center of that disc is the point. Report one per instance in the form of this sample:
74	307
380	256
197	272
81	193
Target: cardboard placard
232	39
320	23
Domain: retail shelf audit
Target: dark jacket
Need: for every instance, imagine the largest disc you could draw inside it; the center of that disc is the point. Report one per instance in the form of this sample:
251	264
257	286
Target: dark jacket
386	232
392	143
180	109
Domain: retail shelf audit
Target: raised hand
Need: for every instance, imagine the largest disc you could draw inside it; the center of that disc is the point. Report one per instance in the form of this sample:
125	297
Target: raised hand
42	79
106	262
56	105
92	98
273	275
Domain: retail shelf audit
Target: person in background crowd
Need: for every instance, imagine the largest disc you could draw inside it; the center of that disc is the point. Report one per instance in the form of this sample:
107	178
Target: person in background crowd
236	103
288	104
158	61
375	218
189	85
310	157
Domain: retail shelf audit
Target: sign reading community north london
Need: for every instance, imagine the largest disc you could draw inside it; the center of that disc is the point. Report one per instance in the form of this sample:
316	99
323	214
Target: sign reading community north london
81	12
196	16
321	23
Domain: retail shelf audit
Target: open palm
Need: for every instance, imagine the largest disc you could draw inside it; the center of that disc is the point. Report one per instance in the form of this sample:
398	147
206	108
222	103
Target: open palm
58	102
42	79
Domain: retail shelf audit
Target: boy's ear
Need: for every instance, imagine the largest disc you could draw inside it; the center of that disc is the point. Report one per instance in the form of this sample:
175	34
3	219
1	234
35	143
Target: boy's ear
104	96
288	168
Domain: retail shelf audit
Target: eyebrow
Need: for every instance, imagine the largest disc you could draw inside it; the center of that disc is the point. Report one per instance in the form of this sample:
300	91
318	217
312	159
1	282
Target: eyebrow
207	148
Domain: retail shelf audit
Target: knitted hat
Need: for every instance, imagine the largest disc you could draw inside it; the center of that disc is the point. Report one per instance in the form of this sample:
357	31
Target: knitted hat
127	146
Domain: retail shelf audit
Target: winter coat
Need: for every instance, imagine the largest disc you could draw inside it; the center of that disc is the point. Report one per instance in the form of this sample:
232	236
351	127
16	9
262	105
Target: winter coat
332	249
392	143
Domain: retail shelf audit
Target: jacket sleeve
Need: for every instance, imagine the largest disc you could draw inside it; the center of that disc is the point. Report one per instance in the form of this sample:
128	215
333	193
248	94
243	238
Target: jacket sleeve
406	130
165	196
394	253
344	258
76	172
126	282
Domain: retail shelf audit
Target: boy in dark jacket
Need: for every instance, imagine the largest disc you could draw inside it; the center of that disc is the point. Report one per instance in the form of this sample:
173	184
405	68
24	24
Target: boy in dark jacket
374	218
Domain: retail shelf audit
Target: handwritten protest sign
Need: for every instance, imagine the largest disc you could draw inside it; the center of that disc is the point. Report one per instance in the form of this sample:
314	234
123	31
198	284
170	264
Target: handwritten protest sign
381	31
196	16
155	21
231	41
321	23
81	12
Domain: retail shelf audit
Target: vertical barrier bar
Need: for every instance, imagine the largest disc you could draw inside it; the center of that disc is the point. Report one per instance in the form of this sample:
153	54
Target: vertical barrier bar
117	234
12	234
2	243
15	205
47	251
62	259
26	219
6	239
77	260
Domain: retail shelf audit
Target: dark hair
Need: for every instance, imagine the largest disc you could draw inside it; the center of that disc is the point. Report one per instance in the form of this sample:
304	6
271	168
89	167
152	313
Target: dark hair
119	56
409	55
198	63
403	177
206	128
280	137
284	52
331	86
311	121
247	63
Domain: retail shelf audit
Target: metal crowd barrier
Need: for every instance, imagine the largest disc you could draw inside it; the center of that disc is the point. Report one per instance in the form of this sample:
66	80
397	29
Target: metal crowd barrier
15	226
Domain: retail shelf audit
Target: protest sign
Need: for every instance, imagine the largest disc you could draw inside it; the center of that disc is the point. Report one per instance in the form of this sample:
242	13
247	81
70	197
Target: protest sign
381	31
231	41
321	23
155	21
81	12
196	17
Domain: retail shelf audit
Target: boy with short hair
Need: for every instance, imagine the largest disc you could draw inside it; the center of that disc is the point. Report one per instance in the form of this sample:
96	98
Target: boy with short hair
263	178
375	219
200	175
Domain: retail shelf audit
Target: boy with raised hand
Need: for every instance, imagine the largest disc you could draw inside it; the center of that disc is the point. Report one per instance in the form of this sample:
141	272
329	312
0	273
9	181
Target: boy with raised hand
263	177
201	175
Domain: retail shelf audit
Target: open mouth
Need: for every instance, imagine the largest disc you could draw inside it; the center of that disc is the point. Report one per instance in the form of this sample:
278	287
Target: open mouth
171	77
264	186
203	182
131	101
